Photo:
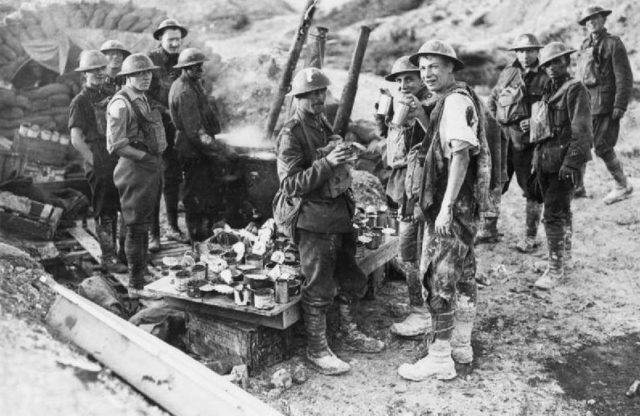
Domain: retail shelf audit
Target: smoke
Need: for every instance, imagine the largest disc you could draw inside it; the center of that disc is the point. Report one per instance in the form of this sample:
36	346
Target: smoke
246	136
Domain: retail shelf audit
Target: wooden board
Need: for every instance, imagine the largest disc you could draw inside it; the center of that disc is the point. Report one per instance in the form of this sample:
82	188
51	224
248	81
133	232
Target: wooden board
87	242
281	316
375	259
163	373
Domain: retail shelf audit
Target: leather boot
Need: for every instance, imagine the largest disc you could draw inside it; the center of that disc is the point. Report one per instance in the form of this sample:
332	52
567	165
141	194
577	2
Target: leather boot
568	244
105	230
419	320
622	190
488	233
135	248
437	364
122	236
171	197
193	226
464	317
555	268
529	243
318	352
354	339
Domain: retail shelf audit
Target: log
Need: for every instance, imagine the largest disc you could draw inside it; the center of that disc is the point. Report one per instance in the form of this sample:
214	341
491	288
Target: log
315	56
167	376
351	87
287	75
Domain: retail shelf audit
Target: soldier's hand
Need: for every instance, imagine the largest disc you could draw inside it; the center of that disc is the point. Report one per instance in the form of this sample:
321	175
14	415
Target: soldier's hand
339	155
617	114
569	174
525	125
418	215
443	221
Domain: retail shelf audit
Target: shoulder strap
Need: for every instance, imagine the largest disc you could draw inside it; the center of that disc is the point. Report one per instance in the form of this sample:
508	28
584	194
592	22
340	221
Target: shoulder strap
138	114
563	89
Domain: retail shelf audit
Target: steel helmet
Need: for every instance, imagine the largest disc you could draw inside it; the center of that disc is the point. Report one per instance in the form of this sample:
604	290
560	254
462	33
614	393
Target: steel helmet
440	48
91	59
307	80
137	62
590	12
114	45
554	50
525	41
169	24
400	66
189	57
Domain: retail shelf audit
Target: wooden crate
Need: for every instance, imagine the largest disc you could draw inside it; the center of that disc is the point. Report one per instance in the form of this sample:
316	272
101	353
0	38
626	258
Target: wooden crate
11	163
254	345
40	224
41	151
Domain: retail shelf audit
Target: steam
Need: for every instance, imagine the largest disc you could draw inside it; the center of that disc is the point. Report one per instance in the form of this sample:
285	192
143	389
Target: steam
246	136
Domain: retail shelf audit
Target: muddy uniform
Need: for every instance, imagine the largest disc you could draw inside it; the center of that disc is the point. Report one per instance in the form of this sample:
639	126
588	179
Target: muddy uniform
448	263
88	113
570	120
324	228
518	150
159	95
606	73
112	85
203	165
131	121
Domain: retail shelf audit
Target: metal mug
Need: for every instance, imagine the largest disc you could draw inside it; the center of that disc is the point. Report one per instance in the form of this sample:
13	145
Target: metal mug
282	291
400	112
384	103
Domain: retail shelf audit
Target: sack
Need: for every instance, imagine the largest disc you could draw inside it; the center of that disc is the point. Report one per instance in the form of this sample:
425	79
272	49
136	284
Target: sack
540	124
285	213
415	168
510	105
587	70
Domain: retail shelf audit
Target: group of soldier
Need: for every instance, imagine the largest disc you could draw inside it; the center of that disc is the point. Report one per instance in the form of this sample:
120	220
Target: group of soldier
142	133
143	124
451	157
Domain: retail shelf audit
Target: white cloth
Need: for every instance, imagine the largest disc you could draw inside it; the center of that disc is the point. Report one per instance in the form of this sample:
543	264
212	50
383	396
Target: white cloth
458	125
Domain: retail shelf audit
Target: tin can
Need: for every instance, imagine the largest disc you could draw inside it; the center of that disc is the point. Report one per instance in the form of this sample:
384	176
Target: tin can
263	298
282	291
384	103
400	113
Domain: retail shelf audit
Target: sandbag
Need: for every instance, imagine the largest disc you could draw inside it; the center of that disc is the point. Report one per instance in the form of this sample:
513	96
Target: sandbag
11	40
39	105
77	20
97	20
10	124
109	293
7	98
51	89
114	16
146	12
87	9
23	102
142	26
8	53
59	100
8	133
127	21
165	322
45	122
11	113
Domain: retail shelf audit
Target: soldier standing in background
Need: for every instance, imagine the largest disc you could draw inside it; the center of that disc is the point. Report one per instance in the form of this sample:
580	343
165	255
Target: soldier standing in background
454	187
560	154
136	134
87	126
204	159
170	34
604	69
520	85
115	52
399	139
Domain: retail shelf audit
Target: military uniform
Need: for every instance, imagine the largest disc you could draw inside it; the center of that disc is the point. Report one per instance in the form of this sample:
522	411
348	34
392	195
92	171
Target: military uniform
203	165
138	181
172	172
569	146
516	146
112	85
605	70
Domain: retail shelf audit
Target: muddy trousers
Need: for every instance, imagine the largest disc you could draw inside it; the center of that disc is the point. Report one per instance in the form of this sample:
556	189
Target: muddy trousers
136	244
171	179
557	217
410	237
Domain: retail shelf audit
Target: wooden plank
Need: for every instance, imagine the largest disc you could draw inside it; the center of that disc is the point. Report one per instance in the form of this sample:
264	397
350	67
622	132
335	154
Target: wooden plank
167	376
87	241
374	259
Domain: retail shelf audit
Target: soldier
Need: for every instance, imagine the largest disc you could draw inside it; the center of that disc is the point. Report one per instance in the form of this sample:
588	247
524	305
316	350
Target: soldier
311	166
520	85
604	69
170	34
399	139
455	184
560	157
204	160
87	125
115	52
135	133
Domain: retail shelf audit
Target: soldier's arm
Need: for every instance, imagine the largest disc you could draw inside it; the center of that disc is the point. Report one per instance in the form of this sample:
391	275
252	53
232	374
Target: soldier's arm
295	179
117	140
78	142
77	124
579	108
623	74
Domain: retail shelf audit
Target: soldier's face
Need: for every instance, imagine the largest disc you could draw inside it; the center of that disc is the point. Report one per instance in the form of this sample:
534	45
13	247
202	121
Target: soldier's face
140	81
595	23
558	67
114	58
195	72
95	77
436	72
409	83
171	41
527	57
313	102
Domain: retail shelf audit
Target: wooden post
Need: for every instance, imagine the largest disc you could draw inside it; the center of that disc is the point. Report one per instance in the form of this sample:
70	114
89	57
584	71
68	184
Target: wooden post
294	55
315	57
351	87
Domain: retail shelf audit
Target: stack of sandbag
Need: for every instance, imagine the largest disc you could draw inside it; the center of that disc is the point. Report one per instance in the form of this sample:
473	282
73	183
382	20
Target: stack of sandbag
49	106
10	114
